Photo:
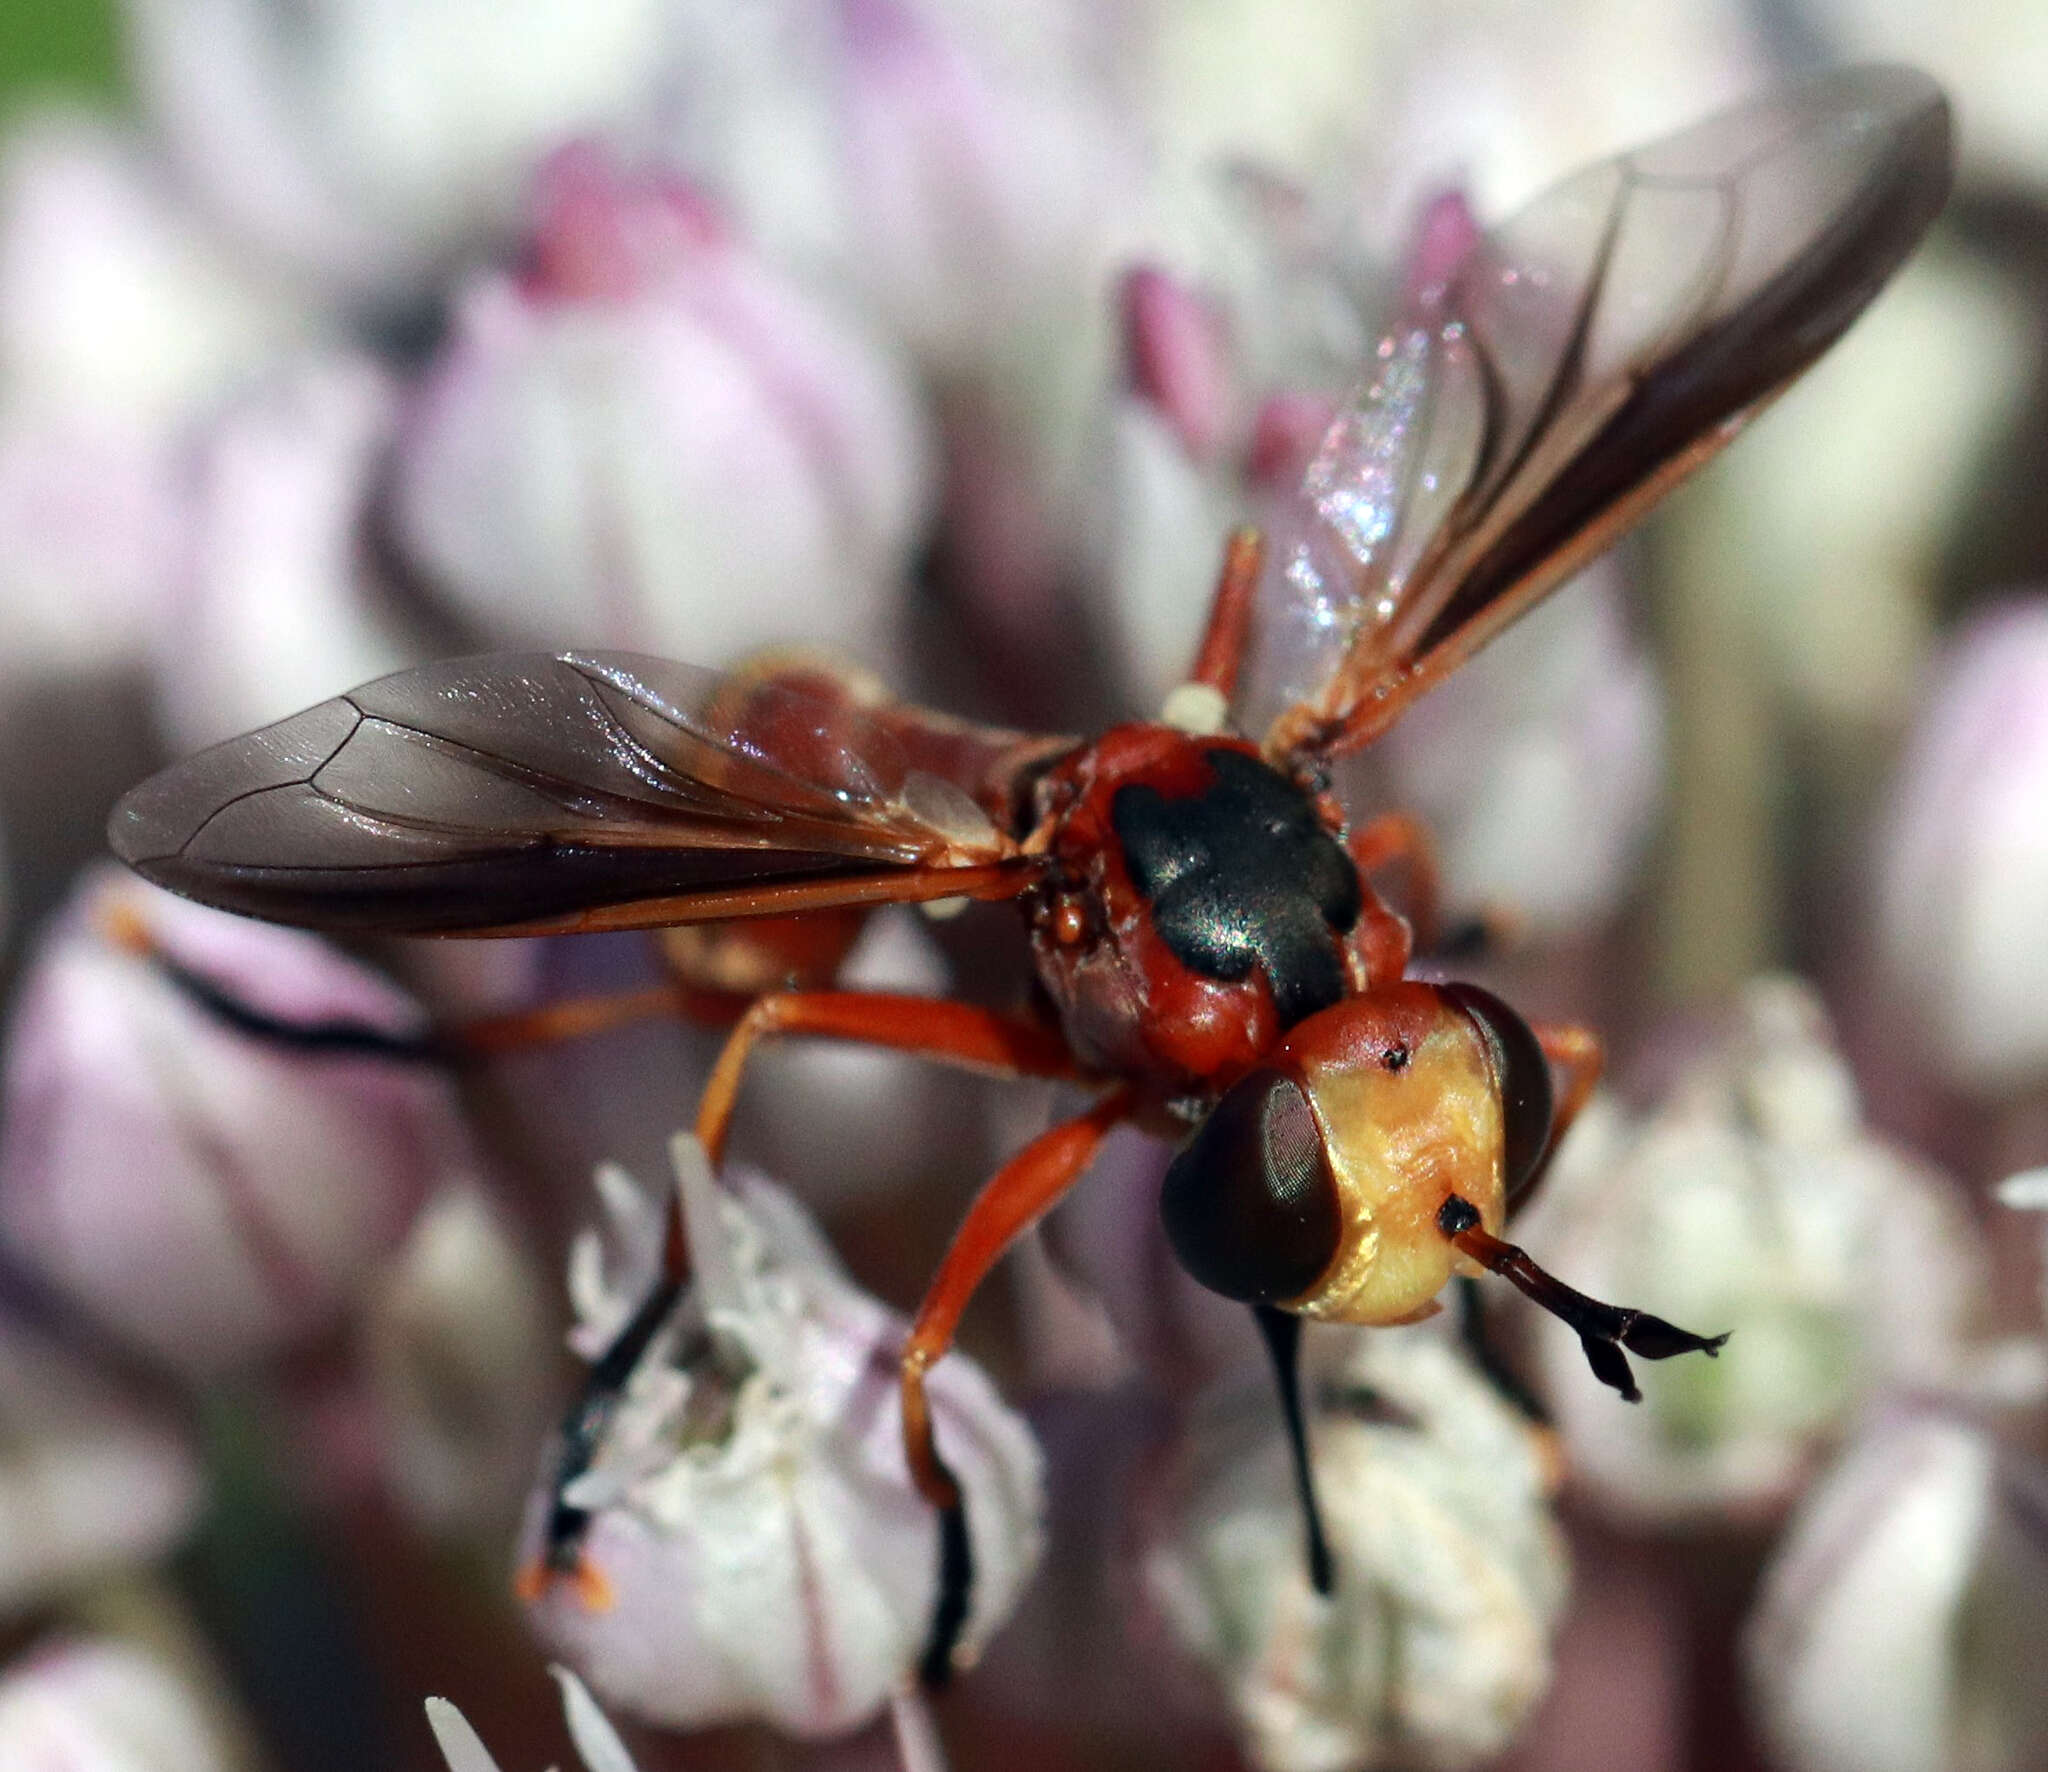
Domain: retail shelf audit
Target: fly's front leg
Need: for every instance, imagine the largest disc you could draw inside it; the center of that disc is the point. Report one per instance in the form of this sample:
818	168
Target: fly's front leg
1022	1191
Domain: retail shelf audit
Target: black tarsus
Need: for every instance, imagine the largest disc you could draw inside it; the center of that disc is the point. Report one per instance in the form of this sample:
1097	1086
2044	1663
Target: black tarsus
1282	1332
956	1587
338	1039
596	1400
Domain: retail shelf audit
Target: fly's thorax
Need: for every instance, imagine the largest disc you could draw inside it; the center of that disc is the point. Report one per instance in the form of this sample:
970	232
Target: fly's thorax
1198	904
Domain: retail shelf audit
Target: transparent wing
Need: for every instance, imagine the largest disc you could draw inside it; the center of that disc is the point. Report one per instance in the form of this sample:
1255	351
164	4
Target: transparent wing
518	789
1585	356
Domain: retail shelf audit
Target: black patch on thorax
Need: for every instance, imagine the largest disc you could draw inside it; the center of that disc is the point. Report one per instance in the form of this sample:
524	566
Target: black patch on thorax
1243	873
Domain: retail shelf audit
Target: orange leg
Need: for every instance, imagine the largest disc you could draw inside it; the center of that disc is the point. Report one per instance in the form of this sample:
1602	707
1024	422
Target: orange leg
1230	614
927	1027
1577	1052
1026	1187
1402	837
577	1018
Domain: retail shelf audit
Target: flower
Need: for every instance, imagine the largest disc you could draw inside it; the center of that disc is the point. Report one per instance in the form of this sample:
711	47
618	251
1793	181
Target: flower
279	1178
103	1706
1753	1200
370	144
1898	1627
752	1515
277	604
1962	866
90	1476
654	439
1450	1574
456	1338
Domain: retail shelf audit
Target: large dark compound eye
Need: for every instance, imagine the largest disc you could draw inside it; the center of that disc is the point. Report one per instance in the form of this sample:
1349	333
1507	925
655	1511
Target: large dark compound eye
1249	1202
1521	1073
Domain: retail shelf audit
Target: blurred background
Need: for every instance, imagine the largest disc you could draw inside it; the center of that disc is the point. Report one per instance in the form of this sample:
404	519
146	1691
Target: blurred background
338	335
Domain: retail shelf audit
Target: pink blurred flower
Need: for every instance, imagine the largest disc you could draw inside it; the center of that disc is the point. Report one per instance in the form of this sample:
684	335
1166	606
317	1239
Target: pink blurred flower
91	1477
1962	867
276	1180
654	439
103	1706
1899	1625
277	603
753	1516
373	144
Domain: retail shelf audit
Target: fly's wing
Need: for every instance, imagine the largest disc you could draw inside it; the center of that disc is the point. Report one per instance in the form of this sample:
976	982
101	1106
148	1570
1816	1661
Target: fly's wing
525	791
1584	357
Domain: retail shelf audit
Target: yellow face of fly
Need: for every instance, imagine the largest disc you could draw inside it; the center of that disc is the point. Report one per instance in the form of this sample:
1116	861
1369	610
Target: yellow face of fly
1401	1142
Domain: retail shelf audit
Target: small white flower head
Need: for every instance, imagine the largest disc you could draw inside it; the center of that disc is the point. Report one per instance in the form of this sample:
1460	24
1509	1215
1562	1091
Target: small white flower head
1962	871
1450	1572
274	604
757	1549
653	438
103	1706
370	144
1753	1200
459	1346
90	1477
1899	1625
210	1195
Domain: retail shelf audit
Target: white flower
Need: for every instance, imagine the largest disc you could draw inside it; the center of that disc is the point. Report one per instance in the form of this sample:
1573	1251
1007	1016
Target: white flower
90	1477
101	1706
1962	867
1754	1201
276	605
459	1349
1450	1574
656	440
372	142
1900	1623
754	1522
210	1195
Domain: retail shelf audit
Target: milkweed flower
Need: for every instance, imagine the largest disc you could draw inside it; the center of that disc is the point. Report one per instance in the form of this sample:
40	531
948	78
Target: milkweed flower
756	1548
1450	1572
279	1178
1962	868
91	1477
653	438
1899	1624
1754	1199
104	1706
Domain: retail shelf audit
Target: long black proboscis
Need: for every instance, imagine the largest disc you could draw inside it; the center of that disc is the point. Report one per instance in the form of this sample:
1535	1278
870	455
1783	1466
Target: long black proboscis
1282	1331
591	1413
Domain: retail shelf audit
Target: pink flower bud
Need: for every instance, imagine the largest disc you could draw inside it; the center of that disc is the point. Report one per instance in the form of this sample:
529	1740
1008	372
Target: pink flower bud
276	605
754	1522
90	1477
1899	1625
1176	357
103	1706
372	144
208	1194
1962	871
655	440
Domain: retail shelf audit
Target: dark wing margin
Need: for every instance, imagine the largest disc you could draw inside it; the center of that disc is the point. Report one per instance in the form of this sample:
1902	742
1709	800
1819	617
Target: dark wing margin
1589	353
522	791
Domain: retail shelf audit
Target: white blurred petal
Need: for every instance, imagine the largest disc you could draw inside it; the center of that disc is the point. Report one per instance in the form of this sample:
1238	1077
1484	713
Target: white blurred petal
104	1707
